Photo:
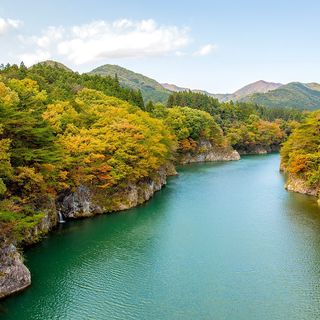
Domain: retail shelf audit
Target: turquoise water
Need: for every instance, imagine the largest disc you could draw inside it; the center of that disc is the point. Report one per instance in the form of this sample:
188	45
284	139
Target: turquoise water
221	241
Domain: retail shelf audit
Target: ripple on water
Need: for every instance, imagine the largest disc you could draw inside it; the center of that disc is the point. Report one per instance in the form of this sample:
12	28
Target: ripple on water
221	241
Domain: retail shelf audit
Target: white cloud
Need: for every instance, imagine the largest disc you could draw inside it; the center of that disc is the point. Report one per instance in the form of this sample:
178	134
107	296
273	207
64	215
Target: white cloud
205	50
8	24
101	40
50	36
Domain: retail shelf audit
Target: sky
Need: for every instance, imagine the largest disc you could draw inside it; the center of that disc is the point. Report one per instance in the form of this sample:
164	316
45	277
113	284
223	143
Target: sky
218	46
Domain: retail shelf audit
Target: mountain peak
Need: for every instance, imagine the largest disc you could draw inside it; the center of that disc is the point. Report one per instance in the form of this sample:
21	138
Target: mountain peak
260	86
150	89
53	64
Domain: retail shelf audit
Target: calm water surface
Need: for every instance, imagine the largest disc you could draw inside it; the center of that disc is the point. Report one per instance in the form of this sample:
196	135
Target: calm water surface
221	241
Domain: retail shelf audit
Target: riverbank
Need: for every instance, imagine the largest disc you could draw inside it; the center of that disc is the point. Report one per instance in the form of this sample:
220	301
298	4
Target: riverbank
259	149
299	185
204	235
87	201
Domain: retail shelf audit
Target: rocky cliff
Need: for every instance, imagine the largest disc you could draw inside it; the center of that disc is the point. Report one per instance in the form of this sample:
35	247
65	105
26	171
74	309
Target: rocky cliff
47	206
88	200
205	151
297	184
14	275
259	149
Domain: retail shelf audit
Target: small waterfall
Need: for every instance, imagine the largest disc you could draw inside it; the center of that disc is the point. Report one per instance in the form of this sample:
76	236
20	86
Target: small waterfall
61	219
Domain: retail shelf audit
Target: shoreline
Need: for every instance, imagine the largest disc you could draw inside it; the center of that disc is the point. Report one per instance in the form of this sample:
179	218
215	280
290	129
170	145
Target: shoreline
141	196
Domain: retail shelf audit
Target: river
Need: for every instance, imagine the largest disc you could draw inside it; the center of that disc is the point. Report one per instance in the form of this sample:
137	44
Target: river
220	241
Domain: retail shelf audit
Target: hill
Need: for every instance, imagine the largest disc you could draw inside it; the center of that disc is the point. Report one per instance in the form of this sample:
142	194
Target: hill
53	64
255	87
260	86
150	89
61	82
297	95
292	95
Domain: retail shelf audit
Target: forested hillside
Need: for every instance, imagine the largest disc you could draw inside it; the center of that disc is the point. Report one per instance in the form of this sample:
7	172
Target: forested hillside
249	127
60	130
76	145
150	89
60	82
300	156
292	95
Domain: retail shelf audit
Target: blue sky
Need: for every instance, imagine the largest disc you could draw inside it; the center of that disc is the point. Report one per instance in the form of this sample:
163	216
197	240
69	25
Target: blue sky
217	46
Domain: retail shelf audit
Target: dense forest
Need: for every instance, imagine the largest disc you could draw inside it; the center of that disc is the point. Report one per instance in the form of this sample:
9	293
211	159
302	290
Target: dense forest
60	129
78	145
246	125
300	154
60	82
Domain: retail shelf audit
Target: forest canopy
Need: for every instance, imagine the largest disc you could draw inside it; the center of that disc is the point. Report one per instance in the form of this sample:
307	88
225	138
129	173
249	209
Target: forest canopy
246	125
60	129
300	154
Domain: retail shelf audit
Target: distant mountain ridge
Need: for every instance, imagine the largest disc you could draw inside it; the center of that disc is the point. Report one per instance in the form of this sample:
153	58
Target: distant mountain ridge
52	63
304	96
151	90
260	86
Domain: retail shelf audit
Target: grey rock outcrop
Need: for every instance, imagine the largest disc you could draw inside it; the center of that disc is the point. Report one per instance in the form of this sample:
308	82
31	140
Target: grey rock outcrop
88	200
206	152
297	184
14	275
259	149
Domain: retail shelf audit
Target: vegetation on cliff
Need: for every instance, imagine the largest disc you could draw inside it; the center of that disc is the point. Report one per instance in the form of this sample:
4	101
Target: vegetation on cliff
246	125
300	155
60	130
190	126
57	134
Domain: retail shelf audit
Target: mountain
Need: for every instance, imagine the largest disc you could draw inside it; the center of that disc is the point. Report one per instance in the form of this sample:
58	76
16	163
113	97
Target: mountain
150	89
292	95
313	86
52	63
255	87
304	96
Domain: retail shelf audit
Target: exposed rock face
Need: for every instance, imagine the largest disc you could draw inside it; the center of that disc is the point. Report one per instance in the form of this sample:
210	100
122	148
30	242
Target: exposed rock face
89	200
259	149
297	184
48	207
206	152
14	275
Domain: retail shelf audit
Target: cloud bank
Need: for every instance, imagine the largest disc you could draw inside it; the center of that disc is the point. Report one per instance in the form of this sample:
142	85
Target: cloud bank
100	40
